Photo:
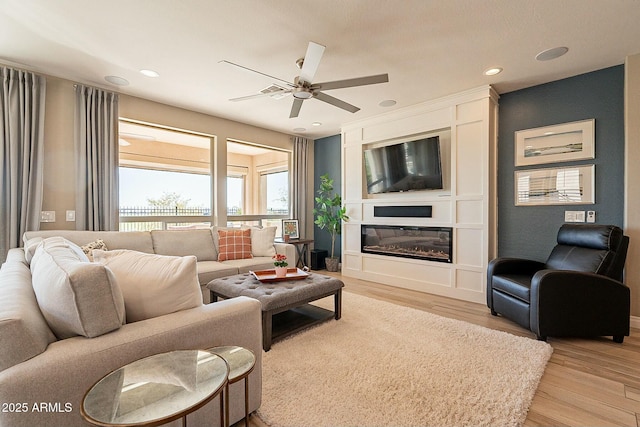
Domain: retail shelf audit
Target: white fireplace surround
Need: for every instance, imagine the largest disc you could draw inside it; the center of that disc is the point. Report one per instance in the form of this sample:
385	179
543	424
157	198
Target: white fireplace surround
467	126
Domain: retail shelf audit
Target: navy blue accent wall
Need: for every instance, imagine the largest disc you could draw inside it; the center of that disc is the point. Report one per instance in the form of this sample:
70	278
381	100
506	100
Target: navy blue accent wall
326	152
530	231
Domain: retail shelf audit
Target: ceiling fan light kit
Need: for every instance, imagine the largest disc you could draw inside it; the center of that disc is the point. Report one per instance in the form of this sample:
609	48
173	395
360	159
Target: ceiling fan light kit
303	87
302	93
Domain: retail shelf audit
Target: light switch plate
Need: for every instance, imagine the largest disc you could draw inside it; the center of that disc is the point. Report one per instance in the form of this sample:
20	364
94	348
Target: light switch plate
574	216
48	216
71	215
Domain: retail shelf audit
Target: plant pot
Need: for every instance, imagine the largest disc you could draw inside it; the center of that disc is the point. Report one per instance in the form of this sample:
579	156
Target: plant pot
281	271
332	263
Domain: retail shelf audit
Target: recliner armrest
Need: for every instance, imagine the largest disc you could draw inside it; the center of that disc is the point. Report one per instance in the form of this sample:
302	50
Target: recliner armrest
499	266
568	301
506	265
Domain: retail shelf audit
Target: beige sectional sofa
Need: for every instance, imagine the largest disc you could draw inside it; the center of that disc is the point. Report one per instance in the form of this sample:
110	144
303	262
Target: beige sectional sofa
46	366
201	243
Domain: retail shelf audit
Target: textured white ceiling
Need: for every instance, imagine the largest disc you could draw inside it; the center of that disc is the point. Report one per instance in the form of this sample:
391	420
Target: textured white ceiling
430	48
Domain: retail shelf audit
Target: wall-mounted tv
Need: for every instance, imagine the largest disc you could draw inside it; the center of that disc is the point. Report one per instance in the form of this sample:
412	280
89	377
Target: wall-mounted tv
406	166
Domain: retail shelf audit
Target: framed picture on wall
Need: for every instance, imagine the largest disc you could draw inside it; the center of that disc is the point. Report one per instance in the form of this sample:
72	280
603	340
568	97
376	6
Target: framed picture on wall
558	143
290	228
555	186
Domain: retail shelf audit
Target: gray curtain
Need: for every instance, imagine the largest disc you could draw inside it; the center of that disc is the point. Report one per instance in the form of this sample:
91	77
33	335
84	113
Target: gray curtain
299	194
96	143
22	99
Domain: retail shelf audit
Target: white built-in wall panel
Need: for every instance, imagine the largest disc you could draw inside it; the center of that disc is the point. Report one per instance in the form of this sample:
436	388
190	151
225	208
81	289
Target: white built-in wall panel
467	203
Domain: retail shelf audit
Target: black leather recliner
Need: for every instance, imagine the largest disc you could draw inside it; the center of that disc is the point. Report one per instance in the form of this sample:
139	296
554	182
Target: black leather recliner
577	292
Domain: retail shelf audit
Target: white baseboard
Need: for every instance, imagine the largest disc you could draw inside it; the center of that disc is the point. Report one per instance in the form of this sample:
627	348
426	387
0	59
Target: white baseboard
635	322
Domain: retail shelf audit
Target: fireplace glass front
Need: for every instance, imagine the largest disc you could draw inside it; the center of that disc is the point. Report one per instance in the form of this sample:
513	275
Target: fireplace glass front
430	243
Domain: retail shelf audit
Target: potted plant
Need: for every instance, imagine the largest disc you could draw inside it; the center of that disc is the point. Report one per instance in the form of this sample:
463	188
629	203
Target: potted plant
280	264
329	214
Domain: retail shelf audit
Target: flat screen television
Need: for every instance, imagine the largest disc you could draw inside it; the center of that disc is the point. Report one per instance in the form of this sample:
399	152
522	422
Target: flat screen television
411	165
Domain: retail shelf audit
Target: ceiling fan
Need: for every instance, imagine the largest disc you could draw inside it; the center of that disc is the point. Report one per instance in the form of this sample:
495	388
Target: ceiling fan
303	87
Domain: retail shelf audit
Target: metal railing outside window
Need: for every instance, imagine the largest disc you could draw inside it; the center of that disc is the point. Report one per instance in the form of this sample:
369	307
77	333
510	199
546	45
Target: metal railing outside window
135	218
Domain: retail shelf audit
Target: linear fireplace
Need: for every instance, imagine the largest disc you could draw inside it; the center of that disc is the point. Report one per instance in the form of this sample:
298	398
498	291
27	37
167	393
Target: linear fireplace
430	243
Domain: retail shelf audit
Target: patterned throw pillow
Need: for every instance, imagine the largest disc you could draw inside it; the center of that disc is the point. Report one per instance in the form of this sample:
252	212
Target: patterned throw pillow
96	244
234	244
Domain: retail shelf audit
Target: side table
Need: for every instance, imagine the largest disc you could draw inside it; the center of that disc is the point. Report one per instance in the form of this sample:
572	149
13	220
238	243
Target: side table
303	250
241	363
157	389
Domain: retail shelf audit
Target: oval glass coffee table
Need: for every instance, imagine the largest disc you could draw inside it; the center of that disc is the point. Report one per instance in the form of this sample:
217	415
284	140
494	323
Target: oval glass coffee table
157	389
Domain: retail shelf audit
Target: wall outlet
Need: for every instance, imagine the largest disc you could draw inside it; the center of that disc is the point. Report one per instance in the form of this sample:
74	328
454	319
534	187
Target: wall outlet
574	216
71	215
591	216
48	216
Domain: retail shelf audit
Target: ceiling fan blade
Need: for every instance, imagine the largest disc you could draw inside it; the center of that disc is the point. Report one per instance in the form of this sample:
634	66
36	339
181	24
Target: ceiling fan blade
295	108
254	71
260	95
358	81
311	62
336	102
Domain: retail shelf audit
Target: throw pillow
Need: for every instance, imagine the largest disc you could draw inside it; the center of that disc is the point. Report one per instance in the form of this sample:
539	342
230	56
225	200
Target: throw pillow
30	247
96	244
234	244
262	241
76	297
153	285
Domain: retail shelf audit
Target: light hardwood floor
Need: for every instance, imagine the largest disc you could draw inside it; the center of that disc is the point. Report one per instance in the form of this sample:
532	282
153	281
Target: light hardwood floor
587	382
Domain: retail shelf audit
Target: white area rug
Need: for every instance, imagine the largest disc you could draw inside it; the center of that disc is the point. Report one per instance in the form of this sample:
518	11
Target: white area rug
387	365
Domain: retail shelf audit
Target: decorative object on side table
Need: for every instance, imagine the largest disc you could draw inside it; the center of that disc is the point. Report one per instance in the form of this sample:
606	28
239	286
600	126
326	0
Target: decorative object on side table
290	229
281	265
329	214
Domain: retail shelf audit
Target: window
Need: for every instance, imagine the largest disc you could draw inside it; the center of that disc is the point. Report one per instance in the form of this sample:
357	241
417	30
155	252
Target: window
235	194
257	184
274	192
165	178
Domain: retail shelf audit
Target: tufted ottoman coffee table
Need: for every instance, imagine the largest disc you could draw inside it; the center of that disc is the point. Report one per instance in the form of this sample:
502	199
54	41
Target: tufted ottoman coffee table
287	299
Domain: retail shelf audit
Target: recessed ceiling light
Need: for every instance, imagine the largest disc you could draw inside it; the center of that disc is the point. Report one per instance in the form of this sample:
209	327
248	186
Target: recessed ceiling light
299	129
549	54
387	103
492	71
316	124
115	80
150	73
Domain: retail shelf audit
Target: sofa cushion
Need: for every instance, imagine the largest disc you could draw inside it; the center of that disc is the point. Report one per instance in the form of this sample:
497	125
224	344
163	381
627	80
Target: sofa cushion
254	264
185	242
133	240
24	332
153	285
30	247
209	270
76	297
262	240
234	244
